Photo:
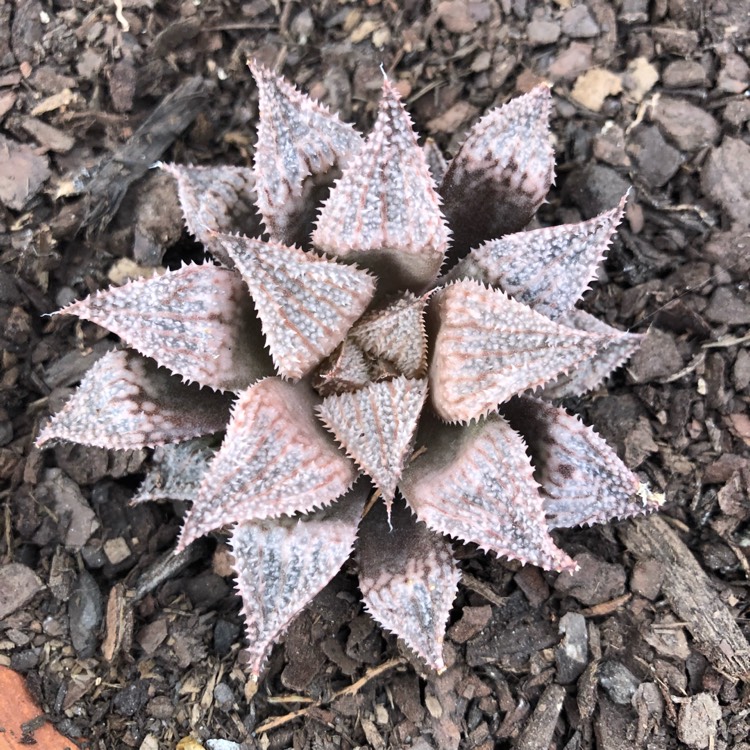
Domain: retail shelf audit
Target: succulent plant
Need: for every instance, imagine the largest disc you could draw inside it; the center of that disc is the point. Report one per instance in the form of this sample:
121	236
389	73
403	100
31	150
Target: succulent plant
408	318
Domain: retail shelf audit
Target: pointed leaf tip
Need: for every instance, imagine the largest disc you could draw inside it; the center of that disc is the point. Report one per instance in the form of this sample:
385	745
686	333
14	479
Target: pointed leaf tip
583	481
216	199
126	401
506	166
486	337
306	303
275	459
547	269
298	138
385	212
196	322
376	426
408	578
476	483
282	564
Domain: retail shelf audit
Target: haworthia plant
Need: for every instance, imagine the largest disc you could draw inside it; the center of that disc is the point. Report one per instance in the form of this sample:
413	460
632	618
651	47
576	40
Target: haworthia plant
386	380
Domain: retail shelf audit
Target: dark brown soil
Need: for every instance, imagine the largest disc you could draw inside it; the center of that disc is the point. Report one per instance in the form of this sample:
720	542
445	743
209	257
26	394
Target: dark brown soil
123	645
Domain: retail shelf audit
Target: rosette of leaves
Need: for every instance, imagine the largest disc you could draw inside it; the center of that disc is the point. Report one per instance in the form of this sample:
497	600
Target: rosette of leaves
381	329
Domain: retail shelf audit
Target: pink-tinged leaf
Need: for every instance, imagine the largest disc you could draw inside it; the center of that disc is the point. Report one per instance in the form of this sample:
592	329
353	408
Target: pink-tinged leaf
306	303
282	564
376	427
490	347
276	459
547	269
126	401
476	483
384	212
408	578
196	322
216	199
435	160
396	333
501	174
343	371
583	481
299	144
176	472
591	373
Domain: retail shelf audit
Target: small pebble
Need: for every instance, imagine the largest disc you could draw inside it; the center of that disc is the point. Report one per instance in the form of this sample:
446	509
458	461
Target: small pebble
618	681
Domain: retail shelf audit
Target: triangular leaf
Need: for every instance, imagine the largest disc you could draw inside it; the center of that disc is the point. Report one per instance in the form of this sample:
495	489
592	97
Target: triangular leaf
126	401
501	174
384	212
583	481
490	347
592	372
176	472
275	459
547	269
408	578
282	564
396	333
476	483
306	303
376	426
298	139
196	322
343	371
216	199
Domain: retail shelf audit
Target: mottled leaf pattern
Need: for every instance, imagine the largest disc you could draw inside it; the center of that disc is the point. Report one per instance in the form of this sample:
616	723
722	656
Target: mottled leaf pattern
490	347
298	139
394	355
306	303
376	425
385	212
396	333
195	321
583	481
177	471
408	578
547	269
476	483
589	374
282	564
344	371
275	459
216	199
126	401
501	174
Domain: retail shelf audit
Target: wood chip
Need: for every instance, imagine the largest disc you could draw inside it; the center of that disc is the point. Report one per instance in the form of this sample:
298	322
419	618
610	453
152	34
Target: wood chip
691	595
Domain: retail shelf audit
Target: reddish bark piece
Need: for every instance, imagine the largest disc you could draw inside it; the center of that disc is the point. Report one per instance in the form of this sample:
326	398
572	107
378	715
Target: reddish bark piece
408	578
384	212
176	472
282	564
583	481
501	174
306	303
476	483
196	322
490	347
298	139
276	459
376	427
22	722
216	199
126	401
396	333
547	269
345	370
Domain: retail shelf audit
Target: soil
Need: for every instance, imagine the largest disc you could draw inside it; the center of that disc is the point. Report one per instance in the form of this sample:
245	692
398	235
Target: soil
121	644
